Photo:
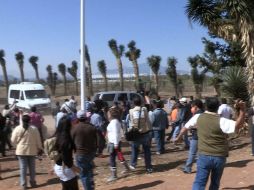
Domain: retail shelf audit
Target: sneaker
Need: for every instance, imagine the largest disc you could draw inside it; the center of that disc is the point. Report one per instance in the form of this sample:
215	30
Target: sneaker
112	178
186	172
158	153
149	170
132	167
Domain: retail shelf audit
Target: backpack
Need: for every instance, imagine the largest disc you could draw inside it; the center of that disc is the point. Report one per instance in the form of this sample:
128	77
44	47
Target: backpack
50	150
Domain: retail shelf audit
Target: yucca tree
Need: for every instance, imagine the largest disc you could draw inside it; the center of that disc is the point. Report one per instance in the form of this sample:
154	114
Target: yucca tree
33	60
50	79
118	53
235	83
89	71
133	54
20	60
154	64
3	65
232	20
73	71
103	70
172	73
196	75
62	70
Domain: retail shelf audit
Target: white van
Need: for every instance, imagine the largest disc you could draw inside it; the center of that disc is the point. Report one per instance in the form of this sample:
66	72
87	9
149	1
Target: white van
28	94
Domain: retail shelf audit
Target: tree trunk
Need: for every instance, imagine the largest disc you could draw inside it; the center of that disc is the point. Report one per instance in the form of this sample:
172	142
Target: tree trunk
105	82
120	70
37	75
136	72
217	90
54	88
176	91
5	78
65	85
90	78
76	83
22	76
156	82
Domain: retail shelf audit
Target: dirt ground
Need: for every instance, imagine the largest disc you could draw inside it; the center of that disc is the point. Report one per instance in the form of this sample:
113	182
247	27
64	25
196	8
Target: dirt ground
167	170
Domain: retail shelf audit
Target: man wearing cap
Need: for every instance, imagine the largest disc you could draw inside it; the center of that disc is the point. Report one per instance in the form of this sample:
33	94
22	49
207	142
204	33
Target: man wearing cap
185	115
85	139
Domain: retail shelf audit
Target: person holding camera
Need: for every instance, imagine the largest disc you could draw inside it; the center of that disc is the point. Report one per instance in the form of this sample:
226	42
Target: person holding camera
212	142
28	146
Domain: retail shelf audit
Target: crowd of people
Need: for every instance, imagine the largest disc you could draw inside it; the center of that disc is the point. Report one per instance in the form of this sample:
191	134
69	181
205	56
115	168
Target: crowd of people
82	135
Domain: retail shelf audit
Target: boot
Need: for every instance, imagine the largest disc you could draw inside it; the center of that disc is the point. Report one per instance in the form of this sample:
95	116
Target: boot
126	167
113	176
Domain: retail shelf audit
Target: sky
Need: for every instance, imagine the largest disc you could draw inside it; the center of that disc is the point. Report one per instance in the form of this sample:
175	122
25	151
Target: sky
50	29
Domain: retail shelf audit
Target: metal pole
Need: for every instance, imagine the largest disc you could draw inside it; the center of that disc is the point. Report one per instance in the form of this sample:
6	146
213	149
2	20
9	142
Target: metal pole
82	61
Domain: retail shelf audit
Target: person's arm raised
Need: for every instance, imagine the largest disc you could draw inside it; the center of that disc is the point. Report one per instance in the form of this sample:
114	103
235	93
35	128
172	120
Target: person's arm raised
241	117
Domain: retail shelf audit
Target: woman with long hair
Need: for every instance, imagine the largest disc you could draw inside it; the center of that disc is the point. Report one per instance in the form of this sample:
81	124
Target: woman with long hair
64	167
27	139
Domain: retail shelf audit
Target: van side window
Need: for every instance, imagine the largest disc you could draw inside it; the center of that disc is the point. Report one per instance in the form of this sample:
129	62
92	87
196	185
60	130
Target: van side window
14	94
122	97
108	97
22	96
133	96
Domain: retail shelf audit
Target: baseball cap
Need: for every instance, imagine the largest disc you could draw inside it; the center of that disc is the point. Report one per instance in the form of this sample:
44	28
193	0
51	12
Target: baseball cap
81	114
183	99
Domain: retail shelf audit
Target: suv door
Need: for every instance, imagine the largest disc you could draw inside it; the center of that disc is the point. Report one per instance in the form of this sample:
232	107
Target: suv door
122	97
109	98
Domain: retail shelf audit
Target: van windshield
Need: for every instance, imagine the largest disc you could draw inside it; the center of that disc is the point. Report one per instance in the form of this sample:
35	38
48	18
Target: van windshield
35	94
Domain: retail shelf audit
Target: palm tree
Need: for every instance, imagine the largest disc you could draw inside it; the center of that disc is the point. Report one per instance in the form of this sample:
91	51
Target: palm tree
133	54
20	60
118	53
172	73
154	63
62	70
33	60
103	70
231	20
3	65
197	77
50	79
73	71
89	71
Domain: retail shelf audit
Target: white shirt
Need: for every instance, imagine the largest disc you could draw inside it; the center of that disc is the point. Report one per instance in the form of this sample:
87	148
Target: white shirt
225	111
115	132
59	116
227	125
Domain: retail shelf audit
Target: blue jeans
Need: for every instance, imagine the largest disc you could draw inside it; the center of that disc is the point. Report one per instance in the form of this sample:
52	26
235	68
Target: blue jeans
176	131
207	165
145	141
192	155
24	162
159	136
85	163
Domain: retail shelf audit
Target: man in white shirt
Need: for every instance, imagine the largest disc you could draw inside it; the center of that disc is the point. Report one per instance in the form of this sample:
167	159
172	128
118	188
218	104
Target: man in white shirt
225	110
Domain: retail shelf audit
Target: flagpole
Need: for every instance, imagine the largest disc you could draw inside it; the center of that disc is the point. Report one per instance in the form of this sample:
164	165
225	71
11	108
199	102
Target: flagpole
82	61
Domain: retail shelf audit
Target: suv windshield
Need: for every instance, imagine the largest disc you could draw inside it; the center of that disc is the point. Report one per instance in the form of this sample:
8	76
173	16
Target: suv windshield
35	94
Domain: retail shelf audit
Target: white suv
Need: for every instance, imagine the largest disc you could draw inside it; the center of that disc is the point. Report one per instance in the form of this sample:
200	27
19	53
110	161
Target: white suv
116	96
